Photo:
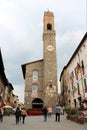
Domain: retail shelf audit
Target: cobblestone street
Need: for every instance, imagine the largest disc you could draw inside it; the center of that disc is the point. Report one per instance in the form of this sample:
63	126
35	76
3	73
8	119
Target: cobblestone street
36	123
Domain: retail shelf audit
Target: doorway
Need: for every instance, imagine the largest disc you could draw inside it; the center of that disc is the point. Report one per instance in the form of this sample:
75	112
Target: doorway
37	103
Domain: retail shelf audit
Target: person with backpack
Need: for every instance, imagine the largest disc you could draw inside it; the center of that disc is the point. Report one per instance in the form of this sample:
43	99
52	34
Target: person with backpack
23	115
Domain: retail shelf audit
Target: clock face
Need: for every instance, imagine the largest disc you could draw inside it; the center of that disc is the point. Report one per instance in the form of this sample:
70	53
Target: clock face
50	48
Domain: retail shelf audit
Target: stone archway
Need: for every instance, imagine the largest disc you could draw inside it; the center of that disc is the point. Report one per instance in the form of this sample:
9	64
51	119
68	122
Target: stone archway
37	103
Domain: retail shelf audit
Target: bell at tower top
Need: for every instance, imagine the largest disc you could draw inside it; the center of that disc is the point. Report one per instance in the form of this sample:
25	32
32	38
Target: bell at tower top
48	21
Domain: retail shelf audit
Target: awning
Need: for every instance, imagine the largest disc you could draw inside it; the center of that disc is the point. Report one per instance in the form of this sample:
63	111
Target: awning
7	107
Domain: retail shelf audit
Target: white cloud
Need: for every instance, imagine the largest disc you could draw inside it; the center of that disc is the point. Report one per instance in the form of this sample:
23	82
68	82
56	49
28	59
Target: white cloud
69	38
21	29
19	90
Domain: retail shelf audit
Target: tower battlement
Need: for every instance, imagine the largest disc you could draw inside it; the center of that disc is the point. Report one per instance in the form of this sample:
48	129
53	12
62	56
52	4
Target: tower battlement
48	13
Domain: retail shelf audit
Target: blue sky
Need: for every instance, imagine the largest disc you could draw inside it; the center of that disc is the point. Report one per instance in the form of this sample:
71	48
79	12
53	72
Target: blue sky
21	30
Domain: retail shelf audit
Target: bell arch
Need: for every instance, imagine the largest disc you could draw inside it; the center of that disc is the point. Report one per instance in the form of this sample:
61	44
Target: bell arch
49	26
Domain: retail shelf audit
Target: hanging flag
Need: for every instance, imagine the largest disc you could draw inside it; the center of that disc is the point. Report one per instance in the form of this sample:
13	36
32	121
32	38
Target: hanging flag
76	72
82	67
71	79
78	68
77	76
74	89
83	72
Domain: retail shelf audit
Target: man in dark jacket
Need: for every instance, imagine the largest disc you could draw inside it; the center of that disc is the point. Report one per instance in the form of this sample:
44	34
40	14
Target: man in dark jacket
45	113
17	115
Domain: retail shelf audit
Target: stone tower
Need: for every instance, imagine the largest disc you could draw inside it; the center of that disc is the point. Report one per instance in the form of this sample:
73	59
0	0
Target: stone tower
50	64
41	75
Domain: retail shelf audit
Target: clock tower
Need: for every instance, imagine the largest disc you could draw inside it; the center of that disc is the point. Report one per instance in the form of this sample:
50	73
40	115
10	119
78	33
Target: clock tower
50	63
41	76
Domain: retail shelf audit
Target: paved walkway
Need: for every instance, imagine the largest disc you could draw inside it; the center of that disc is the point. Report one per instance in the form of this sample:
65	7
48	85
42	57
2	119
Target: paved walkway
36	123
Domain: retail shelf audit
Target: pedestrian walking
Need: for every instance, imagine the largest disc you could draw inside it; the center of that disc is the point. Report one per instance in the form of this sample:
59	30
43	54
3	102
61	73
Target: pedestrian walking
23	115
49	111
1	114
17	115
58	111
45	111
20	108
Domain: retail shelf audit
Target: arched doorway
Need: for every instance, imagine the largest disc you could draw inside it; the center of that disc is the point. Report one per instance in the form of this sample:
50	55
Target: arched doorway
37	103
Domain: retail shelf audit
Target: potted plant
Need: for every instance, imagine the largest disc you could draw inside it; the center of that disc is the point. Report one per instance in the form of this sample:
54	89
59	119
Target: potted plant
81	120
68	112
74	114
8	112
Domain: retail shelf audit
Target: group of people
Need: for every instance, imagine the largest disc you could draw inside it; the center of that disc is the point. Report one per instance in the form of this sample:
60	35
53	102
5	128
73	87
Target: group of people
48	112
20	115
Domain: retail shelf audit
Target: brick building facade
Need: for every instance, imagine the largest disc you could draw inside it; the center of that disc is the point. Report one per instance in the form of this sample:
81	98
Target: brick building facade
73	78
40	76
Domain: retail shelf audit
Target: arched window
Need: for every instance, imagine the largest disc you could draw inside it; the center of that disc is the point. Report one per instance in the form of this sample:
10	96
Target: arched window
35	75
49	26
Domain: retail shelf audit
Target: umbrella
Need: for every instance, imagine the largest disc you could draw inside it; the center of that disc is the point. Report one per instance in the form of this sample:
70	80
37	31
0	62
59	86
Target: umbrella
7	106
